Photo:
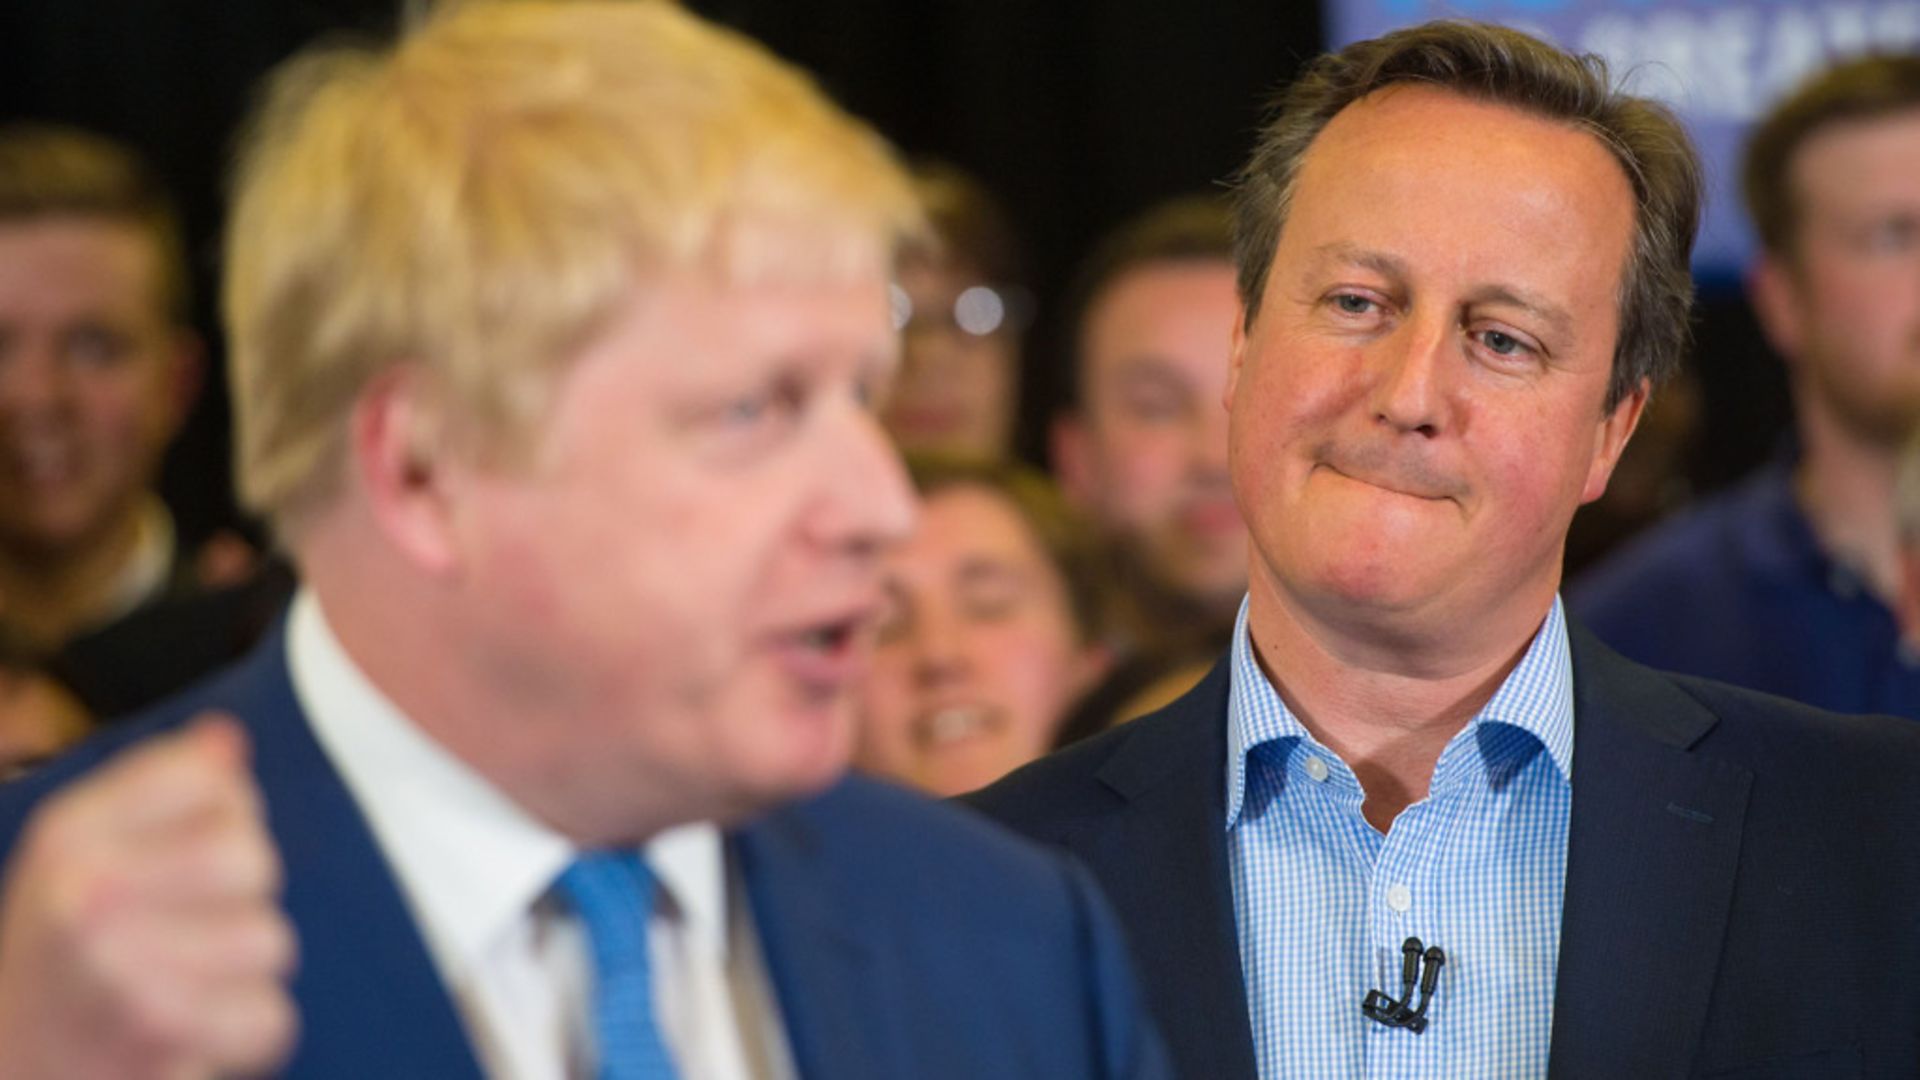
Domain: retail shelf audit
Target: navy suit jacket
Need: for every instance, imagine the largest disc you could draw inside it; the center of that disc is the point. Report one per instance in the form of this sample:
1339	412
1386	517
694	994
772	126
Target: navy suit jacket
1742	892
904	939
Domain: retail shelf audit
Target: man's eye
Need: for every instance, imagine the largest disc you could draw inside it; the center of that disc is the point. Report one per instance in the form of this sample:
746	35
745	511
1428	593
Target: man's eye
747	410
1352	303
95	347
775	402
1503	344
1894	235
1153	406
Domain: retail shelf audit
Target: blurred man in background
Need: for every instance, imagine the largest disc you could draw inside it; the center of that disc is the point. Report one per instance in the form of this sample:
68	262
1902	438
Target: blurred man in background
1142	449
97	369
1788	583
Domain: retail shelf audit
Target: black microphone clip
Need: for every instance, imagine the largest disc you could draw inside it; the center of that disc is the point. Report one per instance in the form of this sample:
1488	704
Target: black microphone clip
1417	963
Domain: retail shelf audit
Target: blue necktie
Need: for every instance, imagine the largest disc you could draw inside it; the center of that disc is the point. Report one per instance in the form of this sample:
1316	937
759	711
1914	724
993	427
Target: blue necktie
612	894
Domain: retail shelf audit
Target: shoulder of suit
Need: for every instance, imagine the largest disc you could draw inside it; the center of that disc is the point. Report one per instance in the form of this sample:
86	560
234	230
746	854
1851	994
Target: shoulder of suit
1756	714
861	818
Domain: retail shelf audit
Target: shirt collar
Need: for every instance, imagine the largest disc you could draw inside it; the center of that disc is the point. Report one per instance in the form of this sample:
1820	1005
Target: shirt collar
1536	697
471	862
143	576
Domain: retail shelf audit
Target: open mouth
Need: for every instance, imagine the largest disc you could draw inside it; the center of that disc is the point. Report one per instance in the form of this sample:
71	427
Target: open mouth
831	637
827	656
954	724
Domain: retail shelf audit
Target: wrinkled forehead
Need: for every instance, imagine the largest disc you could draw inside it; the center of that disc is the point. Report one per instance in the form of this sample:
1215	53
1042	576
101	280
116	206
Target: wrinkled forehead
1434	177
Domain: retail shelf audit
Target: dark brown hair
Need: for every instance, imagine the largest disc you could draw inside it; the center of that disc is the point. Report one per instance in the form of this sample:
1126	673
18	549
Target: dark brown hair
1857	90
970	227
1506	67
1191	228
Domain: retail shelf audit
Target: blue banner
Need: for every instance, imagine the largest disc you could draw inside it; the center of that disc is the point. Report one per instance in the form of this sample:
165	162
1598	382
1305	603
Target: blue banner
1720	63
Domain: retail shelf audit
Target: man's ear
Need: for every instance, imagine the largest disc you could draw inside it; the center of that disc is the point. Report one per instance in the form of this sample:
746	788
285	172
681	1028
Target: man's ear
1616	427
1236	354
186	375
1774	291
1072	451
400	454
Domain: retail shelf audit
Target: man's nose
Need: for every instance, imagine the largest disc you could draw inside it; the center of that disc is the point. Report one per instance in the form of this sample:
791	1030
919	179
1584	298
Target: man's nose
869	502
31	379
1411	370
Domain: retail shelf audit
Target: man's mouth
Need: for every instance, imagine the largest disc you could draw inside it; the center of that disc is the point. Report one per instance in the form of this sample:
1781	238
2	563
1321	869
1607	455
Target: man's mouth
1411	478
827	656
41	462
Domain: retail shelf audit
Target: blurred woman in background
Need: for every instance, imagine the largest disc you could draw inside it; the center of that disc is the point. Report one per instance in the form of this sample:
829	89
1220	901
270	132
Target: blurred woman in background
960	307
990	633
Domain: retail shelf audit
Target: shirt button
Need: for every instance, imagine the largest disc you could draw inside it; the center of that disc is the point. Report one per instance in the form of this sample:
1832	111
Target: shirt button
1316	769
1399	898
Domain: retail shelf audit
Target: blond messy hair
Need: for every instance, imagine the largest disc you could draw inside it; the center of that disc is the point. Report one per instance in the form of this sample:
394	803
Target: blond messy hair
477	199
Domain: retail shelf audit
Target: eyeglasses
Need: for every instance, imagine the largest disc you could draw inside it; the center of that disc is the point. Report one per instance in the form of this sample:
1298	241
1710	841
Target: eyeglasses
978	311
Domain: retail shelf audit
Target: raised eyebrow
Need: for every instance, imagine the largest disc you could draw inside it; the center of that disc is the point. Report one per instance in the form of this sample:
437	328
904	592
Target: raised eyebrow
1147	367
1552	314
1341	252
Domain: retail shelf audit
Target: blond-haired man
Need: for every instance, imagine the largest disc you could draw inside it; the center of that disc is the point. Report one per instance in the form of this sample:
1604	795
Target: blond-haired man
554	330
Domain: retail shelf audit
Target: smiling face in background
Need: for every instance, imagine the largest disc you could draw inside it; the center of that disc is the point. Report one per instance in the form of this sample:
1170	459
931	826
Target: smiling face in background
1418	407
980	656
92	379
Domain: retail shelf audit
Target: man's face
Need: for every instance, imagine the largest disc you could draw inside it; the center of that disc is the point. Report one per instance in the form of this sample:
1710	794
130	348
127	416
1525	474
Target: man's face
1845	307
979	656
1417	409
691	566
92	376
1147	455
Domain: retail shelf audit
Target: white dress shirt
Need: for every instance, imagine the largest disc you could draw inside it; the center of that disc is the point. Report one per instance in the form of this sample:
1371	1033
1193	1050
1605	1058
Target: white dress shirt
477	871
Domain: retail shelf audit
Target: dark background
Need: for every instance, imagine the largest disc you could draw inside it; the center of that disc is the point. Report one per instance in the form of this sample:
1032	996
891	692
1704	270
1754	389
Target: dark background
1076	113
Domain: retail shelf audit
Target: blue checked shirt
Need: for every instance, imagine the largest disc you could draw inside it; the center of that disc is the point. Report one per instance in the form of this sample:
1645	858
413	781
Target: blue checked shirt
1322	901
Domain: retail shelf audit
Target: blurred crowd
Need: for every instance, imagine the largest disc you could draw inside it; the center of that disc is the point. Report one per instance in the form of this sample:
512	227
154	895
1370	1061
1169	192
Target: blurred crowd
1034	602
1040	601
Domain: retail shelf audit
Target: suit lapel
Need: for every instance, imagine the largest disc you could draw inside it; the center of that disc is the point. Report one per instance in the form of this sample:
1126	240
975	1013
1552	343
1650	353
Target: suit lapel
837	1023
370	1001
1652	853
1162	860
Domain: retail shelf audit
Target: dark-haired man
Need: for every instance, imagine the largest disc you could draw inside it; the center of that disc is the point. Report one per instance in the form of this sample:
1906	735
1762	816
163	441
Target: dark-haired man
1788	583
1463	265
1143	448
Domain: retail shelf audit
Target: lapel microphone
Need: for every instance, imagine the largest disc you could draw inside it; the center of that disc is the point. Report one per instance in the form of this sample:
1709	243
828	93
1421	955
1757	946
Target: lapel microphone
1417	963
